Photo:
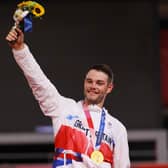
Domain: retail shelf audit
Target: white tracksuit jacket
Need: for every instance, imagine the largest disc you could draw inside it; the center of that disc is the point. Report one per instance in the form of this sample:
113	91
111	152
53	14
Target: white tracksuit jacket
73	145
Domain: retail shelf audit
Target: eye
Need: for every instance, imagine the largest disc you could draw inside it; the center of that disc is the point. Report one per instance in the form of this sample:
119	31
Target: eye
88	80
100	83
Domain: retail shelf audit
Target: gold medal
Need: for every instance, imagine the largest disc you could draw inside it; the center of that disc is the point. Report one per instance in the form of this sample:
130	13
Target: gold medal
97	157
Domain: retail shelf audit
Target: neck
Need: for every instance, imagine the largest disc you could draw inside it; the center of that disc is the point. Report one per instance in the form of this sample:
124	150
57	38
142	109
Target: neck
87	103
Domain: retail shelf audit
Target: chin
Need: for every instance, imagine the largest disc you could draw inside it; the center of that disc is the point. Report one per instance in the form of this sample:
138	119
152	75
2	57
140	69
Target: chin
92	101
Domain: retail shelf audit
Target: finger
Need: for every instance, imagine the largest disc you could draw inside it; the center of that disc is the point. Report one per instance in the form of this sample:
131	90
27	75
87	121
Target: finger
11	36
13	32
19	31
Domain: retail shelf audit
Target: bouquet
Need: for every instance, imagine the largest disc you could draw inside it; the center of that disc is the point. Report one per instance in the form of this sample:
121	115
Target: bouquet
24	13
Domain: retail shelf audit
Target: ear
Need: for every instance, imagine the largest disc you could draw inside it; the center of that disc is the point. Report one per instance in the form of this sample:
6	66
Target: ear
110	87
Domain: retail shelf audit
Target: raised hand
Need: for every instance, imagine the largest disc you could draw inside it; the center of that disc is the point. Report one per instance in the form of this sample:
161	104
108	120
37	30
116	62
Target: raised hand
15	38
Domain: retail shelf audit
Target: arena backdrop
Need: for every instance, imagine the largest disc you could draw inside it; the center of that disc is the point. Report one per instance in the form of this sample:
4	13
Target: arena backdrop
74	35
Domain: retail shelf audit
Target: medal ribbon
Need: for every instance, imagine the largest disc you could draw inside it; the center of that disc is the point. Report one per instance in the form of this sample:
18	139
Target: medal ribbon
101	125
101	128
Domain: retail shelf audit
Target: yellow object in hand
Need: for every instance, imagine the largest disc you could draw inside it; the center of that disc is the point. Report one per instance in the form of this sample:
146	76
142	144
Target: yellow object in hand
33	7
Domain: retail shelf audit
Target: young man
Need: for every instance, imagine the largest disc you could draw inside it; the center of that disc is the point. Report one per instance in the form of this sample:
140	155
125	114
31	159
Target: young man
85	134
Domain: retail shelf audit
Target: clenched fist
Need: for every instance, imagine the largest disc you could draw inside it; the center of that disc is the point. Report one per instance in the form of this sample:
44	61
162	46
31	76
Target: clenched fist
15	38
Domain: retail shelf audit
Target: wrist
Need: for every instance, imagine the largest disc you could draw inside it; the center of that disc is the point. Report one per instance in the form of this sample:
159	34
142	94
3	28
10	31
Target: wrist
20	51
18	47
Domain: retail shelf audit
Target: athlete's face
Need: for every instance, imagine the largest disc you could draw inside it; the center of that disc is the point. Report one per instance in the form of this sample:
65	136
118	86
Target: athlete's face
96	87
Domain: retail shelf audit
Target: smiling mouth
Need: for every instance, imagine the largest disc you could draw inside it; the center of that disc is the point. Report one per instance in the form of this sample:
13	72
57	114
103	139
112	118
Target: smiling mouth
92	92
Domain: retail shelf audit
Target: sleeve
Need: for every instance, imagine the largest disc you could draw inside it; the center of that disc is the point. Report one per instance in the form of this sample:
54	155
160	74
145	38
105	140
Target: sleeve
43	90
121	153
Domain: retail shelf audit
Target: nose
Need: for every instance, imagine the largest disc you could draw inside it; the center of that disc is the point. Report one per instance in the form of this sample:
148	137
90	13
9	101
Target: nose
93	85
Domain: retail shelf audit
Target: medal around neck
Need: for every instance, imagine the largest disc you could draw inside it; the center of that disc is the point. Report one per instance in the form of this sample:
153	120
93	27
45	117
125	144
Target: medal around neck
24	12
97	157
